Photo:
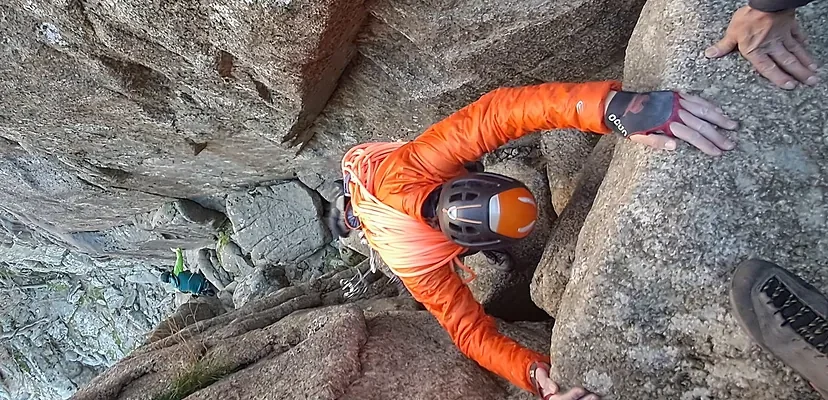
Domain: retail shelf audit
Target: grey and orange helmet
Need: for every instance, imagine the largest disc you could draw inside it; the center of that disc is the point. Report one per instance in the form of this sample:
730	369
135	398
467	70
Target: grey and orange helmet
486	211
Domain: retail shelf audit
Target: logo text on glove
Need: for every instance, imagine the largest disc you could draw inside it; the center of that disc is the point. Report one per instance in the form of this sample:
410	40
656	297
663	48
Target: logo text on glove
617	122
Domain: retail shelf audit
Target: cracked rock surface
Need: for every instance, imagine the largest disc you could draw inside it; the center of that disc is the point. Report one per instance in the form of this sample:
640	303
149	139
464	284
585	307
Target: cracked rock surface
67	317
279	223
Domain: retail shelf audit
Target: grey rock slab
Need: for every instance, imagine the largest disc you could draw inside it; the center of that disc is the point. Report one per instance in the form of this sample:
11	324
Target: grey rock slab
42	186
554	268
233	260
151	235
320	263
646	313
565	153
279	223
262	282
135	103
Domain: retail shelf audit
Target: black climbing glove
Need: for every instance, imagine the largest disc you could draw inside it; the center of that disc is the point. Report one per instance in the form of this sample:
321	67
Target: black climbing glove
631	113
679	116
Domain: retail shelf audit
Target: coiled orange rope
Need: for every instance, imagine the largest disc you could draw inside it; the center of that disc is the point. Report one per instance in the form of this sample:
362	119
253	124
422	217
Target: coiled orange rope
409	247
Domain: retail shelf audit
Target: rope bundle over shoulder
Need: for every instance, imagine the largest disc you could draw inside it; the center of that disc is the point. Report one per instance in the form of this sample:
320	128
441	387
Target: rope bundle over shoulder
409	247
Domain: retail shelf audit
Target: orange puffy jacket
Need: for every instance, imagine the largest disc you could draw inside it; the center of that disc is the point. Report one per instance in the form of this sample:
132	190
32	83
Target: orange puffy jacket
405	178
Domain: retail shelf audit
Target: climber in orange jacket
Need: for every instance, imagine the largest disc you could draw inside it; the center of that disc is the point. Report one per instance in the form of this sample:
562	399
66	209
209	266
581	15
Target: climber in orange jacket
420	193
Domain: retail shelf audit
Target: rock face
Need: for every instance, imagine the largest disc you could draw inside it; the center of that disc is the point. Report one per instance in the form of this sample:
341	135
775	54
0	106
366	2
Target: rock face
138	102
554	268
430	59
128	128
194	310
55	193
365	350
565	153
506	294
647	313
263	281
327	259
66	317
151	235
279	223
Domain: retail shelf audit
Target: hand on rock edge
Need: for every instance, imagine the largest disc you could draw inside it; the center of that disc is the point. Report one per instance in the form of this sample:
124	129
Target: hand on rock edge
548	390
772	42
641	117
699	119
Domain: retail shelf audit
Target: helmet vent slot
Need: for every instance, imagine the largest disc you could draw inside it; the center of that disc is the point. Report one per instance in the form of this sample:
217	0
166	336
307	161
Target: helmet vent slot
470	196
472	230
455	197
455	227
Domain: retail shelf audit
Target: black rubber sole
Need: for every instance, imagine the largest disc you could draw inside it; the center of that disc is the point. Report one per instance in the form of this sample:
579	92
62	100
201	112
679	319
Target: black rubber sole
747	275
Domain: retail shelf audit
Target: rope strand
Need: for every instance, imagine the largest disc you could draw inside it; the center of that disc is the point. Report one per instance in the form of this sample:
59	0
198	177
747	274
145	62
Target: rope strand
409	247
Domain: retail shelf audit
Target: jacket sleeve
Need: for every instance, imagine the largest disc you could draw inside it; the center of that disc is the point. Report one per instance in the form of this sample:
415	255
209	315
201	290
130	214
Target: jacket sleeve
446	297
504	114
776	5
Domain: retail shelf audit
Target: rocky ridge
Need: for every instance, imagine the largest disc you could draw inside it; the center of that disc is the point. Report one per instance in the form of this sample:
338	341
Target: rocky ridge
217	127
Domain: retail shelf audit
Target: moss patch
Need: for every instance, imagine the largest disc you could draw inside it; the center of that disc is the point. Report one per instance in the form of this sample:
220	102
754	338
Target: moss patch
21	362
199	376
224	233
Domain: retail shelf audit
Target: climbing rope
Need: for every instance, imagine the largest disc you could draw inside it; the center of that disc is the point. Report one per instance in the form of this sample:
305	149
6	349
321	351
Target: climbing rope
409	247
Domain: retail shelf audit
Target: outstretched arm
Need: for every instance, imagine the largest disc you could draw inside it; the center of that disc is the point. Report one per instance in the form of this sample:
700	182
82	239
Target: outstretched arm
446	297
506	114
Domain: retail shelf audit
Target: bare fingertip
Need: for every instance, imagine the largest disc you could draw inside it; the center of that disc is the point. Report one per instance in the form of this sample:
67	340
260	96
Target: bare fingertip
671	145
732	125
813	67
729	145
789	85
711	51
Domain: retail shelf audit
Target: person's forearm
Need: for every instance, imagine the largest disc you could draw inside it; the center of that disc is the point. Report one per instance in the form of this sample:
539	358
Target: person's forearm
451	302
776	5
